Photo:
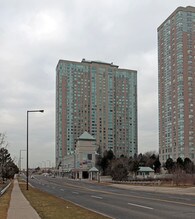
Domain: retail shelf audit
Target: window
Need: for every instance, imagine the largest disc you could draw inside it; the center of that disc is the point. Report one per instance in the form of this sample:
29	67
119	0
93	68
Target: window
89	156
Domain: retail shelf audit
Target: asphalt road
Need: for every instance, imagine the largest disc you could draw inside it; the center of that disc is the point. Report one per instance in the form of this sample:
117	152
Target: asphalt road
118	203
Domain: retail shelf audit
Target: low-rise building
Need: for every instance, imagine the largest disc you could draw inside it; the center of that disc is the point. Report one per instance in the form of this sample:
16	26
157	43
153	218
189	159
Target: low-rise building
78	164
145	172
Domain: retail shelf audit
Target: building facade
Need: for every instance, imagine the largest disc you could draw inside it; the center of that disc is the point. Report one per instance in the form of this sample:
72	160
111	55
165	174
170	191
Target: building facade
77	165
99	98
176	64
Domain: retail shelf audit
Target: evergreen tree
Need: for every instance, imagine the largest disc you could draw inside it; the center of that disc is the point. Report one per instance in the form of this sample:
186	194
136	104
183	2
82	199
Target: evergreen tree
188	165
180	163
157	165
7	166
169	165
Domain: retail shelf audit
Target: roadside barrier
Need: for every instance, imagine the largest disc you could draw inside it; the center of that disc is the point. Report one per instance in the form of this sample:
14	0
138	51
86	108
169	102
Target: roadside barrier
139	182
4	189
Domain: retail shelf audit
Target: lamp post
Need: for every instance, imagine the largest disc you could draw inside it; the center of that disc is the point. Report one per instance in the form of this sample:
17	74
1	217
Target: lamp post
40	165
49	162
20	161
29	111
44	165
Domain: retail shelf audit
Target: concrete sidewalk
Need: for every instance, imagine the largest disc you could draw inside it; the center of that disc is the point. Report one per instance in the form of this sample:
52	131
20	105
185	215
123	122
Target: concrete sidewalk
19	207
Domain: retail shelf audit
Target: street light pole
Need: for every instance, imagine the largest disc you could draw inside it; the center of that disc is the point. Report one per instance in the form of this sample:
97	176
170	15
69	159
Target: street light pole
44	164
20	161
29	111
49	161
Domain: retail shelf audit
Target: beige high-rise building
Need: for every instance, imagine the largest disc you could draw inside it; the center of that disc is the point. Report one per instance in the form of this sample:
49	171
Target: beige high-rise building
99	98
176	64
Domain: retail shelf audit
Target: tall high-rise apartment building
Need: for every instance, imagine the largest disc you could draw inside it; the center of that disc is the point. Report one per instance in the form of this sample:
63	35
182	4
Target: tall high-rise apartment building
176	64
99	98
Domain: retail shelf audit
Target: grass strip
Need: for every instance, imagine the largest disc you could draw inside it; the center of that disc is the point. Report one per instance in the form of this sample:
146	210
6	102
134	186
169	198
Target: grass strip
4	202
51	207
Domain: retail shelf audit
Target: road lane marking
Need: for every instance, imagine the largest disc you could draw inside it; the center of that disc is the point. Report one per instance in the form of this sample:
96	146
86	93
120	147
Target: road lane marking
140	206
98	197
62	189
75	193
126	195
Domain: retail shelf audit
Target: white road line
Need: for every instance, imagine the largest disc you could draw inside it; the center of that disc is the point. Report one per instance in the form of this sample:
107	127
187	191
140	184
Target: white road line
141	206
62	189
98	197
75	193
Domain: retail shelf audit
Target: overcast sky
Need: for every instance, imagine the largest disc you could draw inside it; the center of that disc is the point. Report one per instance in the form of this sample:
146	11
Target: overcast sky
34	35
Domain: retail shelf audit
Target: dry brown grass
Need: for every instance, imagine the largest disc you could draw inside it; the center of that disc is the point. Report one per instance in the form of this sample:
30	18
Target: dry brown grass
51	207
179	180
4	202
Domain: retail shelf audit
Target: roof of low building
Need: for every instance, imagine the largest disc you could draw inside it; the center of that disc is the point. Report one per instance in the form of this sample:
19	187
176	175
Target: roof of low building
86	136
93	169
145	169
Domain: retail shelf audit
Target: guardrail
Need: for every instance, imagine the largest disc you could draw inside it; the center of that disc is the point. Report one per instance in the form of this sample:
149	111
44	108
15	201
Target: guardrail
139	182
4	189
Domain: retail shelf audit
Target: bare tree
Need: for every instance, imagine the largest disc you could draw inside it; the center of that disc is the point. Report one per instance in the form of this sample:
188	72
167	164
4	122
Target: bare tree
119	169
3	142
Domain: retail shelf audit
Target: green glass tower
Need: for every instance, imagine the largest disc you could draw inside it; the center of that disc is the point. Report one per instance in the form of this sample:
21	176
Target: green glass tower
99	98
